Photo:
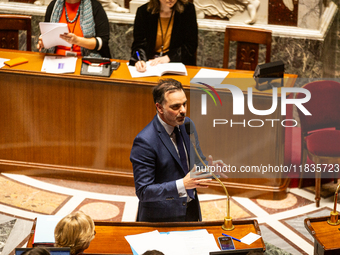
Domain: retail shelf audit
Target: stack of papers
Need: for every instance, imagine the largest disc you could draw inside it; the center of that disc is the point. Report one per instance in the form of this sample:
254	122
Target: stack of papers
2	62
209	76
159	70
50	34
195	242
59	64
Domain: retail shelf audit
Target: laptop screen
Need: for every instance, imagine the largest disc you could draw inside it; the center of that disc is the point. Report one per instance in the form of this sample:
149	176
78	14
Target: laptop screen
52	250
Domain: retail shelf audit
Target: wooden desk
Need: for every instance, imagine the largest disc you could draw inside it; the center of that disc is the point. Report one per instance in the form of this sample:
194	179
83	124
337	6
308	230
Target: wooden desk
326	237
110	235
82	127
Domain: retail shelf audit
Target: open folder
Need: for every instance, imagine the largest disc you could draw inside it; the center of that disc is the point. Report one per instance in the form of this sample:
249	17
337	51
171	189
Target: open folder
50	34
159	70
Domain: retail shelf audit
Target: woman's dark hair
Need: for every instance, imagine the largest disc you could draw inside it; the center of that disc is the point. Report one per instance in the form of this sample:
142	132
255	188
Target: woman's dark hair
154	6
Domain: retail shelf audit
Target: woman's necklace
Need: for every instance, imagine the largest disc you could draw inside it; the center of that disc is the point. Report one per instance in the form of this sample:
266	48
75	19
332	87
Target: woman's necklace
67	18
160	24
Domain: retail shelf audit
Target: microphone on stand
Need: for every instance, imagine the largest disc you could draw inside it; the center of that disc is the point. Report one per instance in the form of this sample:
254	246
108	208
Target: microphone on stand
334	219
228	224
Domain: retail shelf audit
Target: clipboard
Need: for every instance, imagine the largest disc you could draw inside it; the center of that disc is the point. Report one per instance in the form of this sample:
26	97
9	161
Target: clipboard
96	66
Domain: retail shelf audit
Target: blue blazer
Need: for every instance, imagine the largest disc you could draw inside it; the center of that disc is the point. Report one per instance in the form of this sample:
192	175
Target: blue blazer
156	167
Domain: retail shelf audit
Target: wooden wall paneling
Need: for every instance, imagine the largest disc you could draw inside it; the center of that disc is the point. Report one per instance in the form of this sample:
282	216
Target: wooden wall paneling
82	128
279	14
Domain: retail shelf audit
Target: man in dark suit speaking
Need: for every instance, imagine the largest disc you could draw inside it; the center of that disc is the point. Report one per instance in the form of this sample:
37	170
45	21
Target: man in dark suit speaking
161	161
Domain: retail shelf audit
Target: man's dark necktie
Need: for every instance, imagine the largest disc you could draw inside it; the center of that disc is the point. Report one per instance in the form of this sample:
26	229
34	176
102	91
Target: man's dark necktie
183	157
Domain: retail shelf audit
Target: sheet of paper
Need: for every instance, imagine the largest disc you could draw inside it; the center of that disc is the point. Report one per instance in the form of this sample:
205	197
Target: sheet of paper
59	64
2	62
47	26
197	242
172	68
209	76
50	34
193	242
250	238
145	241
44	230
158	70
150	71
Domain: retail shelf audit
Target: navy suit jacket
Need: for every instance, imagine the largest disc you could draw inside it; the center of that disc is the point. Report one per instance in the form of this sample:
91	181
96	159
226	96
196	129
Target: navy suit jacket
156	167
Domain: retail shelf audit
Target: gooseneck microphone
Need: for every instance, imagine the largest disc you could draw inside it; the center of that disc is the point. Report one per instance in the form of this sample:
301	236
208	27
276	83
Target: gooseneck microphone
334	219
227	225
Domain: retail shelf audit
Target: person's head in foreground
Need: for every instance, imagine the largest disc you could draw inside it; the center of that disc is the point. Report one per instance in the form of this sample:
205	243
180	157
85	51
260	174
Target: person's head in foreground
36	251
76	231
153	252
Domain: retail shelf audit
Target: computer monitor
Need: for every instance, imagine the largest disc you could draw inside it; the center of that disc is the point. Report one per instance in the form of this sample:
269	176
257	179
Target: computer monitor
52	250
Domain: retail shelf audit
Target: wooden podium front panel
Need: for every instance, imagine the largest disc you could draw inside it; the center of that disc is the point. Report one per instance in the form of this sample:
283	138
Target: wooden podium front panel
74	123
110	236
70	125
82	127
243	144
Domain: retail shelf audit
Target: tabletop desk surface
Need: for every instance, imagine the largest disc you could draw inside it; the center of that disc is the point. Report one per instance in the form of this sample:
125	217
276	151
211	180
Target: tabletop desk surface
35	61
110	236
326	237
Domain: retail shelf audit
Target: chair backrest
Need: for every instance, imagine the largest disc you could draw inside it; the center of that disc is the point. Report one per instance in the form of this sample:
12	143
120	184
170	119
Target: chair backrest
248	40
324	105
10	25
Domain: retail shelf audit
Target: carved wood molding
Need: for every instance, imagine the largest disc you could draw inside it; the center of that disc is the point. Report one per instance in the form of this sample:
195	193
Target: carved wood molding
248	53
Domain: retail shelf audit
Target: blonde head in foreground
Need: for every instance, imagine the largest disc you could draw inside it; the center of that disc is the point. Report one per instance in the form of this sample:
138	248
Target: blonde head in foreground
76	231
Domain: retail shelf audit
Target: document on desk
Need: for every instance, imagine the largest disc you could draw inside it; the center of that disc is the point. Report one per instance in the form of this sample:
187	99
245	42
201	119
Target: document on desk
209	76
2	62
145	241
159	70
250	238
50	34
44	229
195	242
59	64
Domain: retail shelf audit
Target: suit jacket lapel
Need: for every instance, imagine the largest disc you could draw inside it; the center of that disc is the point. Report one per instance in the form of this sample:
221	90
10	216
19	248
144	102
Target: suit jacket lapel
164	136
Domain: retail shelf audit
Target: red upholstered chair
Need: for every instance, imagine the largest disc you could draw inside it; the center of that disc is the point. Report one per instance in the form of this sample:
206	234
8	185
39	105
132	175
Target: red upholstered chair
320	134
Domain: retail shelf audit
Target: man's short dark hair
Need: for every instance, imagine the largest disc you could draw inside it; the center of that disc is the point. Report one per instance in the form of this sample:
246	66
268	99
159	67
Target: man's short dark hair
153	252
36	251
164	86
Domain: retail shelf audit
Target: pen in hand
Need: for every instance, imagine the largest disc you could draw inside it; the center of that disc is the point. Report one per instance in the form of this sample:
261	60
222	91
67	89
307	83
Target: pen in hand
140	65
232	237
138	56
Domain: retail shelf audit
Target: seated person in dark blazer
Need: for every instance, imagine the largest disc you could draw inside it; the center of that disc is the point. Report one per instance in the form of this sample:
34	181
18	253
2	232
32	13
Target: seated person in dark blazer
161	161
164	31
